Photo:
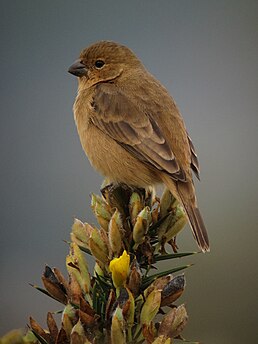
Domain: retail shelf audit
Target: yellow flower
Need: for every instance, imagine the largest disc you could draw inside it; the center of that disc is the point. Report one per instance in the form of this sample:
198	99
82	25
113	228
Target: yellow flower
119	268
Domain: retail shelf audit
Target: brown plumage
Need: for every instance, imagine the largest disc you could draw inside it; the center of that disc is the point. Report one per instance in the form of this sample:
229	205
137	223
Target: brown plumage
131	129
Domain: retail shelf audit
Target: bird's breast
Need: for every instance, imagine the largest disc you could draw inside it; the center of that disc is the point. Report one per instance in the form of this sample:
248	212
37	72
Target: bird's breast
107	156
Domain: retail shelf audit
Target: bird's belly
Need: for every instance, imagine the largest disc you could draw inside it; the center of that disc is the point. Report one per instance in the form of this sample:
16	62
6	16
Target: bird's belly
113	161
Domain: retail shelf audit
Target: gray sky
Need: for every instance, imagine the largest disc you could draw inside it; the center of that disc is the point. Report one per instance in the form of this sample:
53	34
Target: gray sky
205	53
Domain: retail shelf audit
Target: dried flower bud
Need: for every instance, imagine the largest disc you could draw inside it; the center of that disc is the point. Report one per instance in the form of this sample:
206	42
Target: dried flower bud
129	314
149	332
39	330
86	307
173	322
53	286
62	337
127	304
110	306
158	283
173	290
135	277
75	291
87	320
52	326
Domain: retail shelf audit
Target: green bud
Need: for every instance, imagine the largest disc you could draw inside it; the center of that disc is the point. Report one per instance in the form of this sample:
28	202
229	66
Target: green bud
167	201
98	270
29	338
77	334
13	337
81	233
141	226
115	233
101	210
76	264
118	327
177	223
135	206
150	307
165	224
68	318
98	247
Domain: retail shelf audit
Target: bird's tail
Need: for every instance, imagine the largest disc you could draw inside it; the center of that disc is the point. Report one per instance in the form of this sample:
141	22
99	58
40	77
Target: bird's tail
198	227
185	194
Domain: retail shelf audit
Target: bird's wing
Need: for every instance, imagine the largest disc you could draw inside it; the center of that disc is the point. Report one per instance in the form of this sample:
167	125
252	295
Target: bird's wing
135	130
194	159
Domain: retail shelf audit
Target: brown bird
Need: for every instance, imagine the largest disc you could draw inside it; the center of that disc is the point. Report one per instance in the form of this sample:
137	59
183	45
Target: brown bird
131	129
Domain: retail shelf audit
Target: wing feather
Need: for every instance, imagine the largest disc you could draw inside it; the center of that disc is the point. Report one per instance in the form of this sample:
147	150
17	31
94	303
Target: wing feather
135	130
194	159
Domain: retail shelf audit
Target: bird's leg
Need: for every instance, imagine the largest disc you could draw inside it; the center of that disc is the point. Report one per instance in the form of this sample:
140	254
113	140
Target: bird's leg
105	190
121	192
118	195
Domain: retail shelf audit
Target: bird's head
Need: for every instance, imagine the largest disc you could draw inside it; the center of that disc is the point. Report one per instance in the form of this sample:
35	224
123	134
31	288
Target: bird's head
103	61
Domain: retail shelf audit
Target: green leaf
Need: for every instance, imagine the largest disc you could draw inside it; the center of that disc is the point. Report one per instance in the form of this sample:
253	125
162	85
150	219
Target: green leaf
86	250
103	282
158	257
95	297
152	229
40	339
180	340
44	291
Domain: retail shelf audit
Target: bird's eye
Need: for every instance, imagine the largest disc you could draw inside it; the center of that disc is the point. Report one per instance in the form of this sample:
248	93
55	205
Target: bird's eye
99	64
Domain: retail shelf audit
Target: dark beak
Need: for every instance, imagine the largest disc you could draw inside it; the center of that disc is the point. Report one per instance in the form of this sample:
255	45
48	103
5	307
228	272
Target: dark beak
78	69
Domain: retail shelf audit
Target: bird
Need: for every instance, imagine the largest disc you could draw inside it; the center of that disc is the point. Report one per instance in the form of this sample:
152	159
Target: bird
131	128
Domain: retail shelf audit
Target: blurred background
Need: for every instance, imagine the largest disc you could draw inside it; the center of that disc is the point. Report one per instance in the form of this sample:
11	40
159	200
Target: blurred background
205	53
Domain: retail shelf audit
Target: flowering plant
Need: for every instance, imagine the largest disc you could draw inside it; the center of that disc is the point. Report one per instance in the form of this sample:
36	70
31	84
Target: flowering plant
122	300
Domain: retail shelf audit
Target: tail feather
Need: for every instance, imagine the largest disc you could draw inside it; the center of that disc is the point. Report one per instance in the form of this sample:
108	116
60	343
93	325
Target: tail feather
185	194
198	227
